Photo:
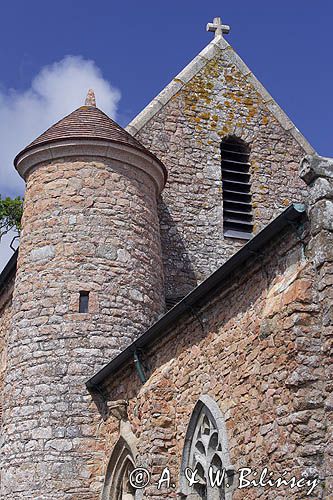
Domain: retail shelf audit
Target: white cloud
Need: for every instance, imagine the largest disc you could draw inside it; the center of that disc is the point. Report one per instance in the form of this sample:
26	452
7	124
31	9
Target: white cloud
57	90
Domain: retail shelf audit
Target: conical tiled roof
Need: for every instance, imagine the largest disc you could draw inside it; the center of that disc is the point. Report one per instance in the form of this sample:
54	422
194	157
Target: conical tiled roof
86	122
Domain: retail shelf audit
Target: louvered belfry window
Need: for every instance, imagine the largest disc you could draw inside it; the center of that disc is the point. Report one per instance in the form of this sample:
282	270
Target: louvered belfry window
236	187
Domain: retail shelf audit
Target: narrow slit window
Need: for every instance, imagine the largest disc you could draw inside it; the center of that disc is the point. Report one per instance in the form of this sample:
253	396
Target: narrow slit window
84	302
236	188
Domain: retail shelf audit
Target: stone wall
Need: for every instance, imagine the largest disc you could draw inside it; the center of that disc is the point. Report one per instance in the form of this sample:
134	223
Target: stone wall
89	224
256	350
186	134
317	172
5	324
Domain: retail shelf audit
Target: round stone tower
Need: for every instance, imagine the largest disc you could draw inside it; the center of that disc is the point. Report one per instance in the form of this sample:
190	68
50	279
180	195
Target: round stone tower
89	281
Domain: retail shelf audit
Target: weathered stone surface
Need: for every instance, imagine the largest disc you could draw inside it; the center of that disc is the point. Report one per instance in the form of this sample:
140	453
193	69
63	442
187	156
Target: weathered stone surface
258	351
186	134
321	215
89	225
5	325
43	253
261	347
314	166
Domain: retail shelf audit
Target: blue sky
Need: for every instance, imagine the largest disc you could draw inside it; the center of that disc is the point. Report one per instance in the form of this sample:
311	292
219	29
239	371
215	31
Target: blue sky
140	46
130	50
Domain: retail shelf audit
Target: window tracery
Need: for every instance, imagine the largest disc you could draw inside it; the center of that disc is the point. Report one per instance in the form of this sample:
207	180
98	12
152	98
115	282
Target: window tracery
205	451
117	484
122	489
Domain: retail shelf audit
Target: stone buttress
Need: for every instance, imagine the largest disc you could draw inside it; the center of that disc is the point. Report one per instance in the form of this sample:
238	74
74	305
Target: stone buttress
89	281
317	172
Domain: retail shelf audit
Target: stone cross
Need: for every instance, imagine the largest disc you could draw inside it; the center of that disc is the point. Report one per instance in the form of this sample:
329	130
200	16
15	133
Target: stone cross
90	99
217	27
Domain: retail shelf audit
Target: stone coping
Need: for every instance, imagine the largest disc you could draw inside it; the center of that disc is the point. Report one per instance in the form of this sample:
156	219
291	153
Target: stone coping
61	149
207	54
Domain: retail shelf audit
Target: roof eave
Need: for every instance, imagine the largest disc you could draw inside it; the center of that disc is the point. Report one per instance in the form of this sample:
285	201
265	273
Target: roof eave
201	293
59	140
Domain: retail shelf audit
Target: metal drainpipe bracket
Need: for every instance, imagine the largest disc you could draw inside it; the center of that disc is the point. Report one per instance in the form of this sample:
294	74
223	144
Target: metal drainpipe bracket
139	367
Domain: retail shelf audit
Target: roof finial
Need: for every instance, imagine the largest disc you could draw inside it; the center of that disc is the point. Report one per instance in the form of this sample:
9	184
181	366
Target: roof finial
217	27
90	99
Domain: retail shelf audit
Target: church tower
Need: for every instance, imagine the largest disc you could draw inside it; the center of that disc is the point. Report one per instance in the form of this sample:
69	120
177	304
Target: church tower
89	280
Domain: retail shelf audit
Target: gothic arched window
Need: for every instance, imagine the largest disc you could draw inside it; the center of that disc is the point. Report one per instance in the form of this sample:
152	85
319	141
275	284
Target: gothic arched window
206	452
236	188
117	485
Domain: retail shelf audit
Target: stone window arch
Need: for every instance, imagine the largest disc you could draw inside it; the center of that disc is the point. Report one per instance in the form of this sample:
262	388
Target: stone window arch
205	447
117	485
236	188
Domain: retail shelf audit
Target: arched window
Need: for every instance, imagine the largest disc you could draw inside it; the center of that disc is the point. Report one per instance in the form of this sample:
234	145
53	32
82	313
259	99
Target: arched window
117	485
206	450
236	188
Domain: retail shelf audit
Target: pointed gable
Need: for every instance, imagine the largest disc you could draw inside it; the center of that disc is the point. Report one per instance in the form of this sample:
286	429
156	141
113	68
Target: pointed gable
217	49
204	215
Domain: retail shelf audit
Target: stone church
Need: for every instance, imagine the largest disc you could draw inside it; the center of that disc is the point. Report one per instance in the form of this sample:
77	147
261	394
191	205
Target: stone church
166	325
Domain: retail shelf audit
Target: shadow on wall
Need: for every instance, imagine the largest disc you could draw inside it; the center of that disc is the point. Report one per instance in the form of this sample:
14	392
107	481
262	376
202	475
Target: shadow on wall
179	273
226	317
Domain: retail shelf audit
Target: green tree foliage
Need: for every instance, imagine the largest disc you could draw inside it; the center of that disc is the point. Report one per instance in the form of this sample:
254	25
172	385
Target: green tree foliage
10	214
